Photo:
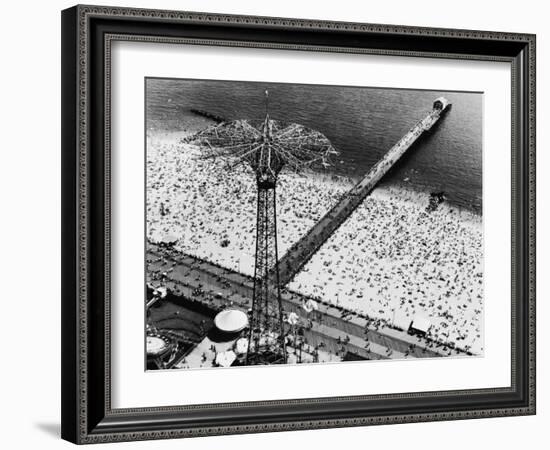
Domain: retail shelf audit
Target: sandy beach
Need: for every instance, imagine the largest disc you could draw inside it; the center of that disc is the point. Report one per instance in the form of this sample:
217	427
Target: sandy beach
213	213
394	261
391	259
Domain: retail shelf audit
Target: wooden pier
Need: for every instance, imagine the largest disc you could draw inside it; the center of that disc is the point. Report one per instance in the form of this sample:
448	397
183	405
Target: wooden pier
303	250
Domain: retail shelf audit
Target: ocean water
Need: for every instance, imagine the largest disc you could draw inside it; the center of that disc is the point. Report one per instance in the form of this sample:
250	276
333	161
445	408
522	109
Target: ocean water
362	124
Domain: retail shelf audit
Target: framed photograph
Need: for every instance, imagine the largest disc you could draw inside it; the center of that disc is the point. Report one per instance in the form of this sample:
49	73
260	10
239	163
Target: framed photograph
281	224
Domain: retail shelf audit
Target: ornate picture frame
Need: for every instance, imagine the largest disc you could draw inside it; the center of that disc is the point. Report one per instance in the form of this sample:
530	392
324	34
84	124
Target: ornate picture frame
88	33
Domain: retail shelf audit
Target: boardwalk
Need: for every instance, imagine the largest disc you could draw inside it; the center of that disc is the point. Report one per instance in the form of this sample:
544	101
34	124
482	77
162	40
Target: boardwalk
302	251
332	327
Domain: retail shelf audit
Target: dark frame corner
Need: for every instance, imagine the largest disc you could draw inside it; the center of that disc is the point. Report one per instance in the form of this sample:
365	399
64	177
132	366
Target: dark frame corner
87	31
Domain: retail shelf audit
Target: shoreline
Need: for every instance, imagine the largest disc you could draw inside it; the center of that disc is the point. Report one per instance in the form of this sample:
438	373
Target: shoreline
195	122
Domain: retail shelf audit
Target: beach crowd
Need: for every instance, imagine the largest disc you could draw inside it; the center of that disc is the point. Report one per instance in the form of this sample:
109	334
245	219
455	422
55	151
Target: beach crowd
391	259
395	261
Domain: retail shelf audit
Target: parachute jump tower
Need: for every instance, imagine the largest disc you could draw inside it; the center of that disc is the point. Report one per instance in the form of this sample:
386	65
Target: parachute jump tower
265	146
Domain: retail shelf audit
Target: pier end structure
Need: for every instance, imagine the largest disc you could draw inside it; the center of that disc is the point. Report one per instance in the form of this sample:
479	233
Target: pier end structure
302	251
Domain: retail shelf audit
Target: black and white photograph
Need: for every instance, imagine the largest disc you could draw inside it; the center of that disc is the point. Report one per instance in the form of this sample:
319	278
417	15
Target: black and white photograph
275	225
300	224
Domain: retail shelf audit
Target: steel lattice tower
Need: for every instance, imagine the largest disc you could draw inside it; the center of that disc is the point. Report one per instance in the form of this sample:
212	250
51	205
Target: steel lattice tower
265	146
266	341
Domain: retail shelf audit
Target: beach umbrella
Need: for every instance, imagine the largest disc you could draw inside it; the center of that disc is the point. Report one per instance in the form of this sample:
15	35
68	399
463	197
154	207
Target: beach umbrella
241	346
293	318
313	304
161	291
310	305
225	359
